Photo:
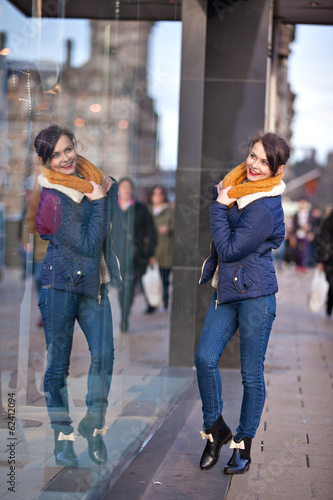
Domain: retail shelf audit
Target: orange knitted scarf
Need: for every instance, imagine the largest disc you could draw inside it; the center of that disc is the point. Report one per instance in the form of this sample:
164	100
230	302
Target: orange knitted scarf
239	174
85	168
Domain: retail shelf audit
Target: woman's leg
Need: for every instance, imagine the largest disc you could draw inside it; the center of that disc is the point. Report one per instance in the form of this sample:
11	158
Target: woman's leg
96	322
219	326
329	302
58	310
165	274
255	317
125	298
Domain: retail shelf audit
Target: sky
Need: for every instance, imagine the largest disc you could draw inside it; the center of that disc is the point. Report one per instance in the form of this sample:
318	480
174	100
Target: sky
311	79
310	74
164	64
23	36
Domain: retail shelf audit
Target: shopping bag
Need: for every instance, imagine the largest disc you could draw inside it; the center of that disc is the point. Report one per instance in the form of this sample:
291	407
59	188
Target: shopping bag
318	291
152	285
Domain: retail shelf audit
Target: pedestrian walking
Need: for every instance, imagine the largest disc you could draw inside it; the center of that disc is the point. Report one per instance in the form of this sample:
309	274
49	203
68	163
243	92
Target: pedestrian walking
303	234
134	243
163	216
324	257
246	222
74	214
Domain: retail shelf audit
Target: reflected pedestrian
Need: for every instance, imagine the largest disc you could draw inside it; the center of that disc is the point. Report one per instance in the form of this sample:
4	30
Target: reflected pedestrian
163	216
134	244
247	222
74	214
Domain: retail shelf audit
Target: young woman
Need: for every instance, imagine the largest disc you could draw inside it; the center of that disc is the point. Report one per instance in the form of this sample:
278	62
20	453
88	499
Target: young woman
163	216
246	221
74	215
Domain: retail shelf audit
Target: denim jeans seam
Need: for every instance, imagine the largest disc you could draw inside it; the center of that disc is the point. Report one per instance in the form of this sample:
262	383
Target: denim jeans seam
264	329
261	401
212	374
97	347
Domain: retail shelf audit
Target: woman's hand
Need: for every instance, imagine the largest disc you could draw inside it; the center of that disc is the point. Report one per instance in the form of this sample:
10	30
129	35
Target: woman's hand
106	183
223	195
152	260
163	229
97	193
219	187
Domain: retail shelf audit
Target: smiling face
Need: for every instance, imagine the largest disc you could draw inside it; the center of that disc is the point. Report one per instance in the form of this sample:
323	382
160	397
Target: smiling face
257	166
63	159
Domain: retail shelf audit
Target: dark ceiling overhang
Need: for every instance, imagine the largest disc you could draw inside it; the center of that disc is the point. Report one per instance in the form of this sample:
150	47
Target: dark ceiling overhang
287	11
144	10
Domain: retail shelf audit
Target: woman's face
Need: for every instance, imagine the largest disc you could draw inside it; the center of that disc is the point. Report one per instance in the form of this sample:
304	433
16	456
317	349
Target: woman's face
125	190
63	159
257	166
157	197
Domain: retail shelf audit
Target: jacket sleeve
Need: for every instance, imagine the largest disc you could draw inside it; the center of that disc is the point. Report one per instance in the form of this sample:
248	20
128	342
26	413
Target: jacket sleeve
83	239
151	235
112	199
254	226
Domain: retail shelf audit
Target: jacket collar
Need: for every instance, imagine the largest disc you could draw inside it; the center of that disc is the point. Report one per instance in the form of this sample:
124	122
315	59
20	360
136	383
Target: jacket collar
75	195
243	201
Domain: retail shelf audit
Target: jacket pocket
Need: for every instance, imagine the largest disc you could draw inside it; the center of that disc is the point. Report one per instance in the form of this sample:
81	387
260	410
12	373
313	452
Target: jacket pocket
70	274
239	279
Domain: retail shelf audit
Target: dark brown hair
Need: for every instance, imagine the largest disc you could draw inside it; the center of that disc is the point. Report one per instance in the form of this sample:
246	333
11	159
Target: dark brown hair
163	191
276	149
47	139
127	179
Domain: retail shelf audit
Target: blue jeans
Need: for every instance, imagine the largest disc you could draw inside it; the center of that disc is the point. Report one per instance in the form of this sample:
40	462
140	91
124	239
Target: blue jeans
254	318
59	311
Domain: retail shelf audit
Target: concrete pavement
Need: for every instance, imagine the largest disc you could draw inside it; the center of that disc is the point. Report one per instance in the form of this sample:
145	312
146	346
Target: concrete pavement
155	412
292	451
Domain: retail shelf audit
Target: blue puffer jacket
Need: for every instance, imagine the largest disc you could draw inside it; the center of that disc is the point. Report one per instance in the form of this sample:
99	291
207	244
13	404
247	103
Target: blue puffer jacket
78	232
241	246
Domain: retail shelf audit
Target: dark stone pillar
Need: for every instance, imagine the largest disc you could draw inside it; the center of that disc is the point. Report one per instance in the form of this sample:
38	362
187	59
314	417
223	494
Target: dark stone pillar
185	273
222	103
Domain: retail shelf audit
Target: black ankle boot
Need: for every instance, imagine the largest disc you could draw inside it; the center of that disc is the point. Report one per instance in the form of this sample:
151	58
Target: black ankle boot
96	446
217	435
64	451
240	460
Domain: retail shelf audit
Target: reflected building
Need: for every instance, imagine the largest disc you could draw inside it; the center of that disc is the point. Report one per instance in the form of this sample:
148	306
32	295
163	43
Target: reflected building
105	102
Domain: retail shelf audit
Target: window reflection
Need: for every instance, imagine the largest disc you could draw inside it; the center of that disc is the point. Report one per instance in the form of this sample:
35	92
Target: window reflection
112	84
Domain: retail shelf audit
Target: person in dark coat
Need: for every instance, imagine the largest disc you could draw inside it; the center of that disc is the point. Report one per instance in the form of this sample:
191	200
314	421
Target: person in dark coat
134	237
324	256
246	222
74	214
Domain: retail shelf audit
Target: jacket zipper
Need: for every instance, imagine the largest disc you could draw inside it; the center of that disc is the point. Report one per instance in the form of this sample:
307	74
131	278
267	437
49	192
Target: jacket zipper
203	265
118	263
217	288
99	296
